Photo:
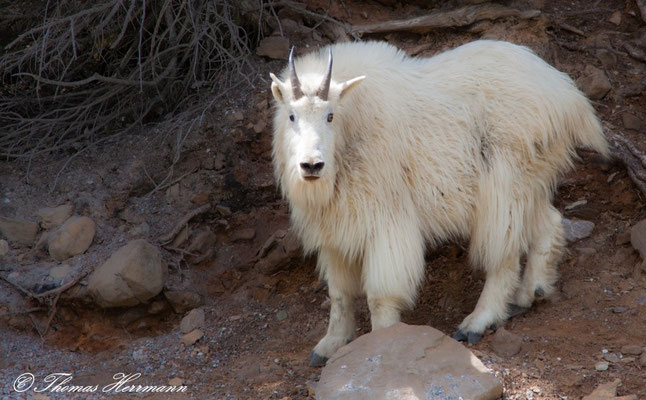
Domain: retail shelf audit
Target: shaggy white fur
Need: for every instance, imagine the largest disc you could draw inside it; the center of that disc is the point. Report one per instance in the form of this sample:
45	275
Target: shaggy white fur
466	144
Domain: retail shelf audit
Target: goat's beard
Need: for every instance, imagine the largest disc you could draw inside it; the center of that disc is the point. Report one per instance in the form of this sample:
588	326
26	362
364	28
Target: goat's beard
308	195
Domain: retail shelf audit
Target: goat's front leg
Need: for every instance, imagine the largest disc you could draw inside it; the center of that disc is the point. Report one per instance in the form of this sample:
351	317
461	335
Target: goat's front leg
344	284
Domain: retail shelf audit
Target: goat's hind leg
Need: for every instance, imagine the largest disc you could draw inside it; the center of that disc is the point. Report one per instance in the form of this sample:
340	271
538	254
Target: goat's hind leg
344	285
545	249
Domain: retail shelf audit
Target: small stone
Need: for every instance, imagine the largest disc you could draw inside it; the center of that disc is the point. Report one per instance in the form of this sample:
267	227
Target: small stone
60	271
276	47
627	360
406	362
19	231
132	275
193	320
611	357
281	315
238	116
620	309
601	366
259	127
615	18
176	381
594	83
622	238
632	349
4	248
51	217
223	210
632	122
642	359
244	234
72	238
281	255
201	198
190	338
577	230
505	343
183	300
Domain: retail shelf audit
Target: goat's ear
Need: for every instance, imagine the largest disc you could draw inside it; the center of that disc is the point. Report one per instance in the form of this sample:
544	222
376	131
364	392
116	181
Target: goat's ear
278	88
347	86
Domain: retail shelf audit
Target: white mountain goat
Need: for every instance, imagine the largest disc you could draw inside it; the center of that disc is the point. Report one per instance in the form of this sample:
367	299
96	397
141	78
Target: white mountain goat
384	154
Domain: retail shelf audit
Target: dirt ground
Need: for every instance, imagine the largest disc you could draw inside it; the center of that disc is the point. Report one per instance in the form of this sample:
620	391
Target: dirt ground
260	328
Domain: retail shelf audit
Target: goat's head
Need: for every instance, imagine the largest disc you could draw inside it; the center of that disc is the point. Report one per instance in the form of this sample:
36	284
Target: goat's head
305	116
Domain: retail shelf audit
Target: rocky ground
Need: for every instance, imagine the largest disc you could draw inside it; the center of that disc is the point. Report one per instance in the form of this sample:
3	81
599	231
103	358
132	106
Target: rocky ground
132	261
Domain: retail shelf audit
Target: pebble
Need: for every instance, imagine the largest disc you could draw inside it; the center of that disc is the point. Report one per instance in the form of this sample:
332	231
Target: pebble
577	230
611	357
631	122
505	343
193	320
632	349
223	210
281	315
176	381
601	366
620	309
642	359
594	83
244	234
60	271
190	338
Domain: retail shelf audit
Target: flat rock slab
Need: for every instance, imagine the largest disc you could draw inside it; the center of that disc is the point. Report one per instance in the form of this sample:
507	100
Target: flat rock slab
406	362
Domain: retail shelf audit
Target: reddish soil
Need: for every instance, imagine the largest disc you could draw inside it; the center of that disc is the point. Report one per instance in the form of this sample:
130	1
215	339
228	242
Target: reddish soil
249	350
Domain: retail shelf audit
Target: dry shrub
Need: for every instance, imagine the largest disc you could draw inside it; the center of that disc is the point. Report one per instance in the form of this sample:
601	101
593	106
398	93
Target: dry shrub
92	69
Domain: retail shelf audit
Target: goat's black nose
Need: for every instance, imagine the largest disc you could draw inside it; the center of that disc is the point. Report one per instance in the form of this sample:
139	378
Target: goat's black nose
312	168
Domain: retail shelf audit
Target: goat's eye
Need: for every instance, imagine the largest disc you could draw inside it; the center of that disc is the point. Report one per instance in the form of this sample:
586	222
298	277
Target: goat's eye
330	117
291	117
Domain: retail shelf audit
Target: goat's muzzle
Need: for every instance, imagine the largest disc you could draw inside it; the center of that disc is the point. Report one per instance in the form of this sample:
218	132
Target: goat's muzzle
311	170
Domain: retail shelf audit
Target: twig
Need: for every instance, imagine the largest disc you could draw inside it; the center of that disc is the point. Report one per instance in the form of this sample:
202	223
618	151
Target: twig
171	183
447	19
57	291
18	287
180	224
27	311
570	28
297	7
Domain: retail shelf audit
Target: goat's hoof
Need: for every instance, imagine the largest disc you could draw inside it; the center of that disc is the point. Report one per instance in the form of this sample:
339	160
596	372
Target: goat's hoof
469	337
515	310
539	292
316	360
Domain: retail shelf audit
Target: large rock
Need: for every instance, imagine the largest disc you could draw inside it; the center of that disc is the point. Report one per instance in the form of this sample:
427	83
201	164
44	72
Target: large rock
71	238
18	231
594	83
406	362
132	275
51	217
